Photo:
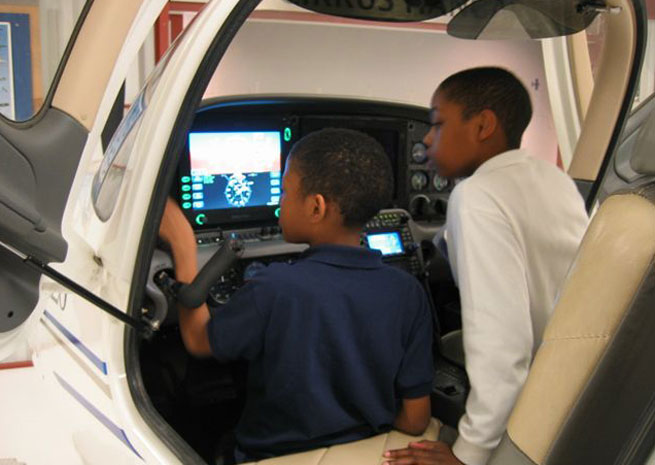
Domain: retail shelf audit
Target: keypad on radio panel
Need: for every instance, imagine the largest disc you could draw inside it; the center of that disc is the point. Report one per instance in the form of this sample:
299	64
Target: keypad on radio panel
397	221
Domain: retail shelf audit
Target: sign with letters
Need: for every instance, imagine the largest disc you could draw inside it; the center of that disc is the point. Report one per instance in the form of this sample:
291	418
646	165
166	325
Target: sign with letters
385	10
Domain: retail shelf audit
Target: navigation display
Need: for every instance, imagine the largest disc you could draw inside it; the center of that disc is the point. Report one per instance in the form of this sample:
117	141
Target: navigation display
232	169
389	243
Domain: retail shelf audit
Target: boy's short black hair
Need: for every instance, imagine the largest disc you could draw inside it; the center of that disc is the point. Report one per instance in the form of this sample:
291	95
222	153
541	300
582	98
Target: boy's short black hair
347	167
495	89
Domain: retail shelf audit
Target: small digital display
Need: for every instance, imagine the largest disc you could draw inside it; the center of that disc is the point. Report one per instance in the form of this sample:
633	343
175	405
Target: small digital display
233	169
389	243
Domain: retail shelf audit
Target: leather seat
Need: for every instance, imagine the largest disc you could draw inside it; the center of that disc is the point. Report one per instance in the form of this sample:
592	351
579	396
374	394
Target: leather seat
365	452
589	395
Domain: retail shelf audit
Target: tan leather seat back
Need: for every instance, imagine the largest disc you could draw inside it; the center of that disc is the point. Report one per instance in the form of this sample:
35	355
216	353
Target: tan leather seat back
594	374
365	452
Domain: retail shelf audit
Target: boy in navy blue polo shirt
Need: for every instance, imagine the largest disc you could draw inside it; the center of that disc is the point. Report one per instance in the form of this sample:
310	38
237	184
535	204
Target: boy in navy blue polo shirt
338	343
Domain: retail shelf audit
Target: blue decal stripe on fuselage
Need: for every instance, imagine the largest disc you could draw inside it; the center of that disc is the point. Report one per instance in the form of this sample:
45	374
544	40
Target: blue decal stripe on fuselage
110	425
102	366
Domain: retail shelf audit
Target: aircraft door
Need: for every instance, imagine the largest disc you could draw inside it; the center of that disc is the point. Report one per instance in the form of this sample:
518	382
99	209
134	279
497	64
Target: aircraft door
43	166
39	157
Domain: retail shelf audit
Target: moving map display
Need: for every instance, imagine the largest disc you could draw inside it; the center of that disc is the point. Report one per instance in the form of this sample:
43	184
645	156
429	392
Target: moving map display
389	243
232	170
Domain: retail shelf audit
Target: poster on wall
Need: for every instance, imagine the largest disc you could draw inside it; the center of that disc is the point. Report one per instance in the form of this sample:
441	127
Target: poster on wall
6	73
15	66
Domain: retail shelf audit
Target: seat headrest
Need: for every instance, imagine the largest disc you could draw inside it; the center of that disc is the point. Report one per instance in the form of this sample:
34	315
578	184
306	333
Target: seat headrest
643	156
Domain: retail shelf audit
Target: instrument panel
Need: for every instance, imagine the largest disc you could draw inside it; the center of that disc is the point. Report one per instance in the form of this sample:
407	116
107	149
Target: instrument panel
236	150
390	232
229	177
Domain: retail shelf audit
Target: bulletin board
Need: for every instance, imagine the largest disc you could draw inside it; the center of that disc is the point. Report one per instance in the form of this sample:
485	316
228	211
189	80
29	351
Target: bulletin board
21	90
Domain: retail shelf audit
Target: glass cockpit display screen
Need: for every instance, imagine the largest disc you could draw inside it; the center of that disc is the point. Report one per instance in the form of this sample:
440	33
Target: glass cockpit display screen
232	170
389	243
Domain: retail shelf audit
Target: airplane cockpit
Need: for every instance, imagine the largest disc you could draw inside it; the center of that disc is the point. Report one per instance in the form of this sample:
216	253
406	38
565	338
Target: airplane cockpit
210	123
227	180
228	184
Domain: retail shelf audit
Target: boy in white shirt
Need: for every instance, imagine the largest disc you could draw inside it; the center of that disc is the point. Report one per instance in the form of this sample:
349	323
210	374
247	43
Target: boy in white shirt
513	228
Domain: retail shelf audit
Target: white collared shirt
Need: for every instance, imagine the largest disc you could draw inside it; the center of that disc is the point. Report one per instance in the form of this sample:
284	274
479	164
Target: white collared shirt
512	230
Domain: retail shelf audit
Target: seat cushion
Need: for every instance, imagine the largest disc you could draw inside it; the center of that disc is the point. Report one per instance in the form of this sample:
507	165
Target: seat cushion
365	452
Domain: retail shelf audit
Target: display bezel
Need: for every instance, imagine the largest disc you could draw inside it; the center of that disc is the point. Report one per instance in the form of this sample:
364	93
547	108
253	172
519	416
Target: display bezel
215	218
386	233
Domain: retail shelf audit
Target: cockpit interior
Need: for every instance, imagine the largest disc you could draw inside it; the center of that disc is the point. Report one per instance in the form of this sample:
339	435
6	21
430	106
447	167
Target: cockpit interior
227	181
204	109
228	185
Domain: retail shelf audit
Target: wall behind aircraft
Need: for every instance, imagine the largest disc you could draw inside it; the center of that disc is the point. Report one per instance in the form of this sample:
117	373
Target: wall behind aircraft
392	64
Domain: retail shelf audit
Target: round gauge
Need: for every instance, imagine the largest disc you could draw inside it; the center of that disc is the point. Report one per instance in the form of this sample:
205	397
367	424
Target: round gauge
418	153
418	206
238	190
419	180
439	183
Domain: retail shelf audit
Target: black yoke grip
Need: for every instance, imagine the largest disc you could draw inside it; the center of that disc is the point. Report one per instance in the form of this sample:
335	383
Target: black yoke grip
195	294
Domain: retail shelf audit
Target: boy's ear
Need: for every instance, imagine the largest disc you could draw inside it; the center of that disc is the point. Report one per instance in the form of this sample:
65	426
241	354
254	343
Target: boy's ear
487	124
316	207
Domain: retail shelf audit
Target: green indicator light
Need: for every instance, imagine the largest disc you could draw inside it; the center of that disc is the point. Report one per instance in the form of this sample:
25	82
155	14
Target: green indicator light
186	179
287	134
277	212
186	205
186	188
201	219
186	196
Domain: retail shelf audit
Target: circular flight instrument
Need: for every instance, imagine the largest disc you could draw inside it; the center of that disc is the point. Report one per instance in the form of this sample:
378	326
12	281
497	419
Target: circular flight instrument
238	190
418	153
419	206
440	183
419	180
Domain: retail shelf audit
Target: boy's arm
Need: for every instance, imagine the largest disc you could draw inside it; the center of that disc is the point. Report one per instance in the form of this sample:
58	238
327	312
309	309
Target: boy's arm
497	328
414	416
176	230
414	379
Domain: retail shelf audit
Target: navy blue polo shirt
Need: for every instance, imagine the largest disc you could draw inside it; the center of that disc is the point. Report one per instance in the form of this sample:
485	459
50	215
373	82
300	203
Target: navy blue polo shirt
334	340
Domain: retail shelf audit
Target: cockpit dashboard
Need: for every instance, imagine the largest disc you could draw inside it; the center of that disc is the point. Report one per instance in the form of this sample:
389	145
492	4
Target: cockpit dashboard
229	177
228	185
230	173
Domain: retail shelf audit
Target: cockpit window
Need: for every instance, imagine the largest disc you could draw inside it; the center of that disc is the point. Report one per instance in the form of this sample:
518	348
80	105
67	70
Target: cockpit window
109	177
511	19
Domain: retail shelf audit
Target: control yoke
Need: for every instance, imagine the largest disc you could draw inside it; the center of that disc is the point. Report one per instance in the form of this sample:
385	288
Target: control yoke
194	294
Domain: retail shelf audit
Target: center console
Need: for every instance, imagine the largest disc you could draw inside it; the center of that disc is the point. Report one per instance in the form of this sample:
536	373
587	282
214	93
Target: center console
390	232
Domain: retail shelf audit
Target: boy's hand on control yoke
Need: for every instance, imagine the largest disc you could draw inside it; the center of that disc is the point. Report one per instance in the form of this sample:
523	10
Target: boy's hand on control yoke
177	231
422	453
174	227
